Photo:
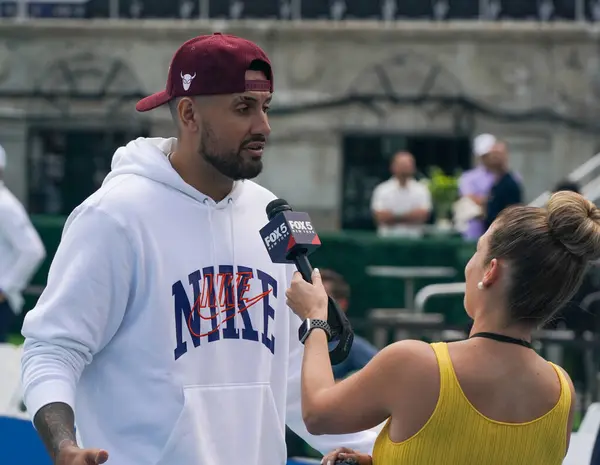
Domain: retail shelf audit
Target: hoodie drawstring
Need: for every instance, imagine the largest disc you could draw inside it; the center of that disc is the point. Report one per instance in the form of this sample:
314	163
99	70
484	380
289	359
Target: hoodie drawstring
213	259
238	323
236	309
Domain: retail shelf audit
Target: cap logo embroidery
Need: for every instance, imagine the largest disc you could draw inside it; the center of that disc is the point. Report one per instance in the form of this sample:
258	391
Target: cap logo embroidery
187	80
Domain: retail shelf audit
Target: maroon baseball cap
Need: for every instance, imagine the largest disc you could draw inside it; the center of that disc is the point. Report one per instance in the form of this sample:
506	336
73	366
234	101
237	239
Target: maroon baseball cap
211	65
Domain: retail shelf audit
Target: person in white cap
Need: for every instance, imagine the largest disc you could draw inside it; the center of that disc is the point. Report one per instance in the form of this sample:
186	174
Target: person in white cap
21	252
506	190
476	184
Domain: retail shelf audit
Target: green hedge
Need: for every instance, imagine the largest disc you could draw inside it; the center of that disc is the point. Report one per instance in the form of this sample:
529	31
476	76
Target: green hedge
351	253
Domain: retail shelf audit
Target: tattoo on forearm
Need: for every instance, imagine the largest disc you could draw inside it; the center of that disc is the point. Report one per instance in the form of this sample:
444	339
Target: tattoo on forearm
55	423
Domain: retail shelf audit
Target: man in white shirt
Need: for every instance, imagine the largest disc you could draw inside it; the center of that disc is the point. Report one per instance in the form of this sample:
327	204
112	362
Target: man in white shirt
401	205
21	252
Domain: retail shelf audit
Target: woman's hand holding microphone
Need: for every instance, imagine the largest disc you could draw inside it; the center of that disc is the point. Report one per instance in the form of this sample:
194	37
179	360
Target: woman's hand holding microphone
308	300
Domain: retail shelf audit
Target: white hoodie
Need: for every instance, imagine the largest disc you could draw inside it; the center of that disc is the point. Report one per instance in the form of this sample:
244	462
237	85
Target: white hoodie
115	334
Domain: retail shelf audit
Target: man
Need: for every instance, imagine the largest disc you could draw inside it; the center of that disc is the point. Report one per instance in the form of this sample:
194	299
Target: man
506	190
163	330
362	351
475	186
401	205
21	253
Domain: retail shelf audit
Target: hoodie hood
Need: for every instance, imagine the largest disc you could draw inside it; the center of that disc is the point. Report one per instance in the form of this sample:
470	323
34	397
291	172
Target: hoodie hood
147	157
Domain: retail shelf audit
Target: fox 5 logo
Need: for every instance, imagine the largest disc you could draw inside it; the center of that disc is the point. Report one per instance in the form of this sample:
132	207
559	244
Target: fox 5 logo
279	234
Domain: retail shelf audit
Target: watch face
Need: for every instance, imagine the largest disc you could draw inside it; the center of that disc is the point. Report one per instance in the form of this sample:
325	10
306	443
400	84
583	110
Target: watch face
303	330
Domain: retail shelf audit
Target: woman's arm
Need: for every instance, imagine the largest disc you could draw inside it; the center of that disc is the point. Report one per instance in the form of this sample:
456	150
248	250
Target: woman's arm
359	402
363	400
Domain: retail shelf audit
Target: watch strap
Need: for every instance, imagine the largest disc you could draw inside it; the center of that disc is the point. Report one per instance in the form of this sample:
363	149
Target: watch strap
309	325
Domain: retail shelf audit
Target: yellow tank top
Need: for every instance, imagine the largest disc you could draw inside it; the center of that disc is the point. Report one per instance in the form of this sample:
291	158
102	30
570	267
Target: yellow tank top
457	434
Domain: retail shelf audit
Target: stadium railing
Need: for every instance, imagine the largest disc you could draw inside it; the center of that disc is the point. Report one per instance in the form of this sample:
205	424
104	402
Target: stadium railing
386	10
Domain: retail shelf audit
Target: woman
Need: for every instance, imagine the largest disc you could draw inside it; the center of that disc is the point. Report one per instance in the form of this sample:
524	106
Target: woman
489	399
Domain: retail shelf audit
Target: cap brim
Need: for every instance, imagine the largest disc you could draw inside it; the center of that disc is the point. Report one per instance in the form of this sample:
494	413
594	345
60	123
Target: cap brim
153	101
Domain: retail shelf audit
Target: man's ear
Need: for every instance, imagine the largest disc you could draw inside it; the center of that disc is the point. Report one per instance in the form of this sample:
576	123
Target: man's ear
188	114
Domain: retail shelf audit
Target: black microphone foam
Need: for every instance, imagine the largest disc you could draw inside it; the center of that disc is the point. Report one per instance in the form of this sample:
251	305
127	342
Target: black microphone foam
277	206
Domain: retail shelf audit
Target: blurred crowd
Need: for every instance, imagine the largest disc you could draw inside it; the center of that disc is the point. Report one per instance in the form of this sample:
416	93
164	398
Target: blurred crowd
402	205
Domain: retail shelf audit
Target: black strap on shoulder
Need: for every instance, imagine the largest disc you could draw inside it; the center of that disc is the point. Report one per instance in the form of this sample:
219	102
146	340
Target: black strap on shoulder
503	338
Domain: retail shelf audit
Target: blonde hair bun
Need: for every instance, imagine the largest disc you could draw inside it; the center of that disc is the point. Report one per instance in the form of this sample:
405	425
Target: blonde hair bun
575	222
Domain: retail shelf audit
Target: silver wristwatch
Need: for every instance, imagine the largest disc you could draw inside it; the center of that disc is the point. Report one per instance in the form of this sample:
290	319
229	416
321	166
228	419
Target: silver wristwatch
308	325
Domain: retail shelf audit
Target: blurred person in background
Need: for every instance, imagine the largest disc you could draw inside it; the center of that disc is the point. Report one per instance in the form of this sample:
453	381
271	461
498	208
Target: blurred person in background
475	186
21	253
490	399
401	205
163	332
507	189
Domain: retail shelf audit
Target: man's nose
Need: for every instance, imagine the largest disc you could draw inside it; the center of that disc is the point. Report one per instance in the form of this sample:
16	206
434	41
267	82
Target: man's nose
261	125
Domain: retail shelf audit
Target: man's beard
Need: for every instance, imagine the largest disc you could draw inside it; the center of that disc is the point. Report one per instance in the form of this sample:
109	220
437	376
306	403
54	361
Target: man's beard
230	164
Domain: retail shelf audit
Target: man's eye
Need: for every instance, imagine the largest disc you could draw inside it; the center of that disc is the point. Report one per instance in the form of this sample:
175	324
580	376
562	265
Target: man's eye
243	109
266	109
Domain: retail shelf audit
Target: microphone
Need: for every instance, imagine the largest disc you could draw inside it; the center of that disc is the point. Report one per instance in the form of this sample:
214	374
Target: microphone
289	237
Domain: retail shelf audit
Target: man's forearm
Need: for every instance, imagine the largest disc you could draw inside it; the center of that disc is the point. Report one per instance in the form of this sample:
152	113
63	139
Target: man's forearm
55	424
418	216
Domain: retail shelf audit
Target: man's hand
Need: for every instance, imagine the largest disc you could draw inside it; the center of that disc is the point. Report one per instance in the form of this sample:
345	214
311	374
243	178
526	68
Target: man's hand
344	454
55	423
73	455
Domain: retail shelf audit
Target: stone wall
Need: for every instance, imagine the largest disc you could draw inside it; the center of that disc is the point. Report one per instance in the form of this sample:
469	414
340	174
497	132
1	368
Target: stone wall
498	72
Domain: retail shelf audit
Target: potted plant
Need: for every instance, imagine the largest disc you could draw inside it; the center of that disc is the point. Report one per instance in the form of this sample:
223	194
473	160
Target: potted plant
444	192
